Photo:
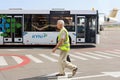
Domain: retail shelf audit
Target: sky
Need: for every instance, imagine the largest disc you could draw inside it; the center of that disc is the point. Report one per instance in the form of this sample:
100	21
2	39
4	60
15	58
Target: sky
104	6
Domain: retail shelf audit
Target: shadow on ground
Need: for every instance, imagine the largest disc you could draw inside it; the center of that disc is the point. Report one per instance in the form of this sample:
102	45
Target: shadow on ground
41	78
42	46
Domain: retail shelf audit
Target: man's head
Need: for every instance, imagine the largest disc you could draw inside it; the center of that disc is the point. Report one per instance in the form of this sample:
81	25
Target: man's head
60	24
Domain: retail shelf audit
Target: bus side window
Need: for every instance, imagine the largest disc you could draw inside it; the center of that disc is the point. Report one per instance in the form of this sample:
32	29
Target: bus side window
0	20
0	23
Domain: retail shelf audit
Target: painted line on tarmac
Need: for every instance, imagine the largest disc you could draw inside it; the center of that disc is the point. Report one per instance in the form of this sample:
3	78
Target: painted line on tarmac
34	59
47	57
2	61
25	61
17	59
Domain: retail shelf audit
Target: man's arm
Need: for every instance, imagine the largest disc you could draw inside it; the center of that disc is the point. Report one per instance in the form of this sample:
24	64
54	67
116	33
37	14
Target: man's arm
59	43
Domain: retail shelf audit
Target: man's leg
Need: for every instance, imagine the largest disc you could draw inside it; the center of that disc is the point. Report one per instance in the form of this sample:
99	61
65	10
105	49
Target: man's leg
69	65
62	59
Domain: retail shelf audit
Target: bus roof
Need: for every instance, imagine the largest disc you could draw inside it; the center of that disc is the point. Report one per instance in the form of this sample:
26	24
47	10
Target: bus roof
45	11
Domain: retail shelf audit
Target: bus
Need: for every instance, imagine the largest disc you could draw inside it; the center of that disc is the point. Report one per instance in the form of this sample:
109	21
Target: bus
38	27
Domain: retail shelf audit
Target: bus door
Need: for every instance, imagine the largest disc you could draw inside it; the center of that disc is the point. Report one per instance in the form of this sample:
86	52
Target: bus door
13	33
80	30
91	29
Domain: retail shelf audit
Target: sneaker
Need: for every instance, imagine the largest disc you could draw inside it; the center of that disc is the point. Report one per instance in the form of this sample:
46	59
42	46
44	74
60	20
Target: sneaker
60	74
74	71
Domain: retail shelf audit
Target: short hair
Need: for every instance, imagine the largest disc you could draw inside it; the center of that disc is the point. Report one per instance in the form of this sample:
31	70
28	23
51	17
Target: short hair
61	22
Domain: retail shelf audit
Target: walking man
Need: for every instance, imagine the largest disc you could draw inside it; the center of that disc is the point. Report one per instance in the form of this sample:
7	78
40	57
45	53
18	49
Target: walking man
64	46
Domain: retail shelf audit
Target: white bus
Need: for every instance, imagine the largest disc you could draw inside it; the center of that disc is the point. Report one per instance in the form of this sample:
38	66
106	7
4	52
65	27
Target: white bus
38	27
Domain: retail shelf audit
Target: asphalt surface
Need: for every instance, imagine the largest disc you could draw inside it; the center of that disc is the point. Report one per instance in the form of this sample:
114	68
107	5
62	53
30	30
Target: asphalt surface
100	62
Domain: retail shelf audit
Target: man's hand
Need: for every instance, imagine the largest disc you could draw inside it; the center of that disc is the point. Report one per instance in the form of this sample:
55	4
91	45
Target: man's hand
54	49
58	44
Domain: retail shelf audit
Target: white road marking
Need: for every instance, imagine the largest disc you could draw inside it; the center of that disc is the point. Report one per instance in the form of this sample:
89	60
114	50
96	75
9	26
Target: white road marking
47	57
57	55
118	53
3	61
54	54
115	55
34	59
17	59
117	50
13	49
86	77
108	54
97	55
111	74
93	57
78	57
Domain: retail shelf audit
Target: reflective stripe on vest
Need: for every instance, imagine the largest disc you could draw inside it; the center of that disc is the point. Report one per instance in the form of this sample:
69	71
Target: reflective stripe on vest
66	45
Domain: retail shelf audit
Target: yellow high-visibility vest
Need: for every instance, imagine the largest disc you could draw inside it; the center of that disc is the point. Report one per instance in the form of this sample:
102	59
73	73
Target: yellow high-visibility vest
66	45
